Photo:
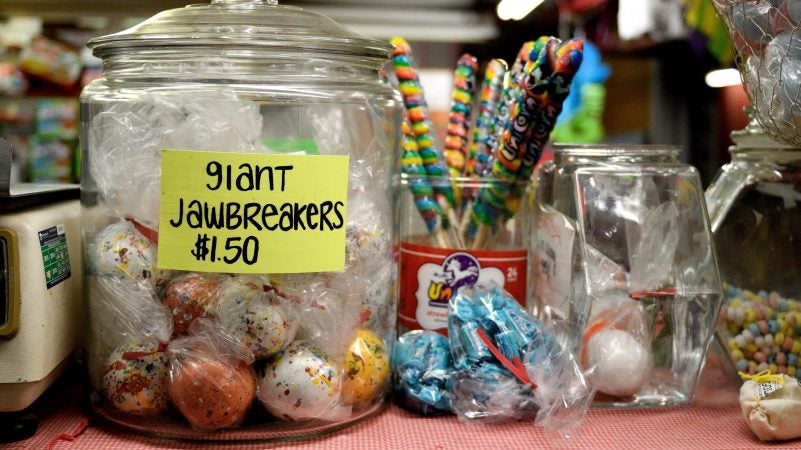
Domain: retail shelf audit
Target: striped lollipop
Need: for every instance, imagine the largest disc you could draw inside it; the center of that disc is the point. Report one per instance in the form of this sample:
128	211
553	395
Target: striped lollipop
549	90
414	101
509	95
412	165
546	83
480	152
464	80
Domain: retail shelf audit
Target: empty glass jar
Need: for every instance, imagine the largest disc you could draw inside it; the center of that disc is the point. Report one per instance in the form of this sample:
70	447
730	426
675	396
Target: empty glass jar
622	247
237	223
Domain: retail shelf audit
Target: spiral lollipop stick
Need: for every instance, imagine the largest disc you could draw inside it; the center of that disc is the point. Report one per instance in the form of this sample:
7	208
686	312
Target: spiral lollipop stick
412	165
480	152
414	101
464	80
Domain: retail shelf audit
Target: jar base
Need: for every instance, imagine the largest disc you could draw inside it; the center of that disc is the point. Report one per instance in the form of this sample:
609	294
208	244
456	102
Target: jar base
172	426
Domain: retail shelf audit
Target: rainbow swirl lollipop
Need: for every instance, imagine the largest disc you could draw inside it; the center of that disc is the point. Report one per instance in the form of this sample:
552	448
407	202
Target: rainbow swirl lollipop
464	80
412	165
416	108
546	83
478	162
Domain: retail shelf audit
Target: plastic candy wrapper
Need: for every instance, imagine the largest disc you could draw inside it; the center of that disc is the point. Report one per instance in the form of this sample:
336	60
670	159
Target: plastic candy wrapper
330	316
123	313
503	356
211	381
334	304
367	367
368	260
616	347
771	405
120	251
652	246
127	140
135	377
421	372
489	394
124	308
264	321
302	383
128	309
190	296
766	38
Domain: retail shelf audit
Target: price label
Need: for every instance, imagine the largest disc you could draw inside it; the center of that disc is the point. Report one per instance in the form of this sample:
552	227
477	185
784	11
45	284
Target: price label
252	213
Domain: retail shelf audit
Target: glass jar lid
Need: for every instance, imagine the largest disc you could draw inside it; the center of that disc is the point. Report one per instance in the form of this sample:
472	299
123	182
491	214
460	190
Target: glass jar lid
241	24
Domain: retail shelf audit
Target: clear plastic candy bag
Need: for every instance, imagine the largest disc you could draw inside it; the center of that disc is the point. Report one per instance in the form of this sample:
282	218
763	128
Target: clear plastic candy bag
211	381
510	366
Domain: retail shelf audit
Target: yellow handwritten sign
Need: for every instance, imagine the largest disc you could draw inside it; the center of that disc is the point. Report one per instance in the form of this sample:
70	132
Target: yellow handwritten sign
252	212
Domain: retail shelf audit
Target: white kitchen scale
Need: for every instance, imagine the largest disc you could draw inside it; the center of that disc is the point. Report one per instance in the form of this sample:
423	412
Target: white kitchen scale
41	271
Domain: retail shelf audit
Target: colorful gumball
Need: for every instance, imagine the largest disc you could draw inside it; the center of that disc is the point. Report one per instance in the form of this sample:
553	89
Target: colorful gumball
120	251
366	367
135	378
301	383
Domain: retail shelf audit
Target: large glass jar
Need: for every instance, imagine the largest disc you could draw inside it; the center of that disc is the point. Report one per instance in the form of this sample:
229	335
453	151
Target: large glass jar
756	222
238	223
622	247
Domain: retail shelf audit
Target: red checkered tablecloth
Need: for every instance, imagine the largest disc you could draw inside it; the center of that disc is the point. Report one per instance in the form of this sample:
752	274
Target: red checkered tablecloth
712	421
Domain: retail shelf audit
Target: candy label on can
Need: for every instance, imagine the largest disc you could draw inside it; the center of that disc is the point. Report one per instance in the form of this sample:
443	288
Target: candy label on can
430	276
252	212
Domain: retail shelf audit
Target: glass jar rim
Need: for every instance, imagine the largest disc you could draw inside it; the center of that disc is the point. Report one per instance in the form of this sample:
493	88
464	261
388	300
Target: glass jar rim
617	149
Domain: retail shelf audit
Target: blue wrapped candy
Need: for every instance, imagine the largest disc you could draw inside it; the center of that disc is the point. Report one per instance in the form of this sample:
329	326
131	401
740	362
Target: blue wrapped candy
490	334
499	363
421	370
498	315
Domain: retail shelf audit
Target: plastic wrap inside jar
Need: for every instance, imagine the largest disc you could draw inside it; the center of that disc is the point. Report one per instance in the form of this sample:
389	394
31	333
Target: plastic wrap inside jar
127	139
124	311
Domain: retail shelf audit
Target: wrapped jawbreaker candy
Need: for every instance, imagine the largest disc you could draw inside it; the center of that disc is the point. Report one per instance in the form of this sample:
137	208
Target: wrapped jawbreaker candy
211	381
